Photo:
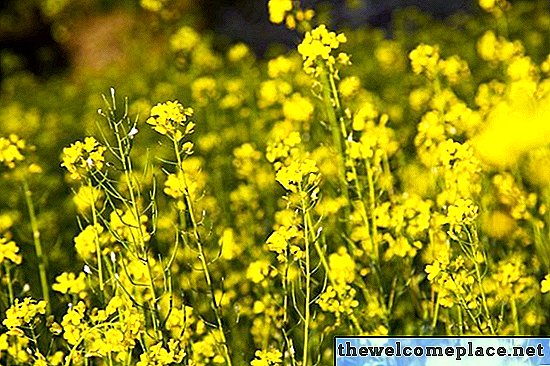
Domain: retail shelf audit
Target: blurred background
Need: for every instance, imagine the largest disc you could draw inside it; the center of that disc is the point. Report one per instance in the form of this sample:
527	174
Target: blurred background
52	36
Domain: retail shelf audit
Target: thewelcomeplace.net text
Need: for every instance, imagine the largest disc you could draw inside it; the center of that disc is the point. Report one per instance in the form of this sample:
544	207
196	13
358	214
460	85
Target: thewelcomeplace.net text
469	350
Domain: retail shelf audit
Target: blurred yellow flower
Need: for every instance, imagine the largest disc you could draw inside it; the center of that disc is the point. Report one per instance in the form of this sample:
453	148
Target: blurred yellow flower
514	127
545	284
9	250
10	150
278	9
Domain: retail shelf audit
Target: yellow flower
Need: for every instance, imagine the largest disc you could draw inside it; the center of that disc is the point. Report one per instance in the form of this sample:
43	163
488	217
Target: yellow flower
238	52
74	324
349	86
184	40
160	355
69	283
175	185
267	358
462	212
279	240
298	175
257	271
4	344
169	118
487	4
180	319
545	284
22	312
230	248
10	150
203	90
127	227
152	5
272	91
278	9
281	66
498	225
493	6
82	157
514	127
85	242
493	48
9	250
339	300
86	197
433	270
424	59
342	266
390	55
297	108
317	46
454	69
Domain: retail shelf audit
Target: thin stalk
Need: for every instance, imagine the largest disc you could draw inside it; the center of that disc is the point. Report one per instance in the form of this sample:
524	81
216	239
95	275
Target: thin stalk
307	299
127	167
336	131
96	239
10	285
37	246
460	321
479	279
435	314
515	316
372	205
202	257
324	263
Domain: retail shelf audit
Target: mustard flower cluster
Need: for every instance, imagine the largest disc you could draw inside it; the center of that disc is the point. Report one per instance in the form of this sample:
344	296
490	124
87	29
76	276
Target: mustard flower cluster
267	358
171	119
21	313
285	11
11	150
404	194
9	251
83	157
425	59
278	9
317	50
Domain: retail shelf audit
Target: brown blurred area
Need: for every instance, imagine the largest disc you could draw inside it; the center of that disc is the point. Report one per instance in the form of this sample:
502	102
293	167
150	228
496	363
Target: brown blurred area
85	35
96	41
90	34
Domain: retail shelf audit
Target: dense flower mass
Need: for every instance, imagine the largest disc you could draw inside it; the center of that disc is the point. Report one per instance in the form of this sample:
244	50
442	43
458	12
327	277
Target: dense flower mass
9	250
318	46
171	119
82	157
278	10
291	200
22	312
11	150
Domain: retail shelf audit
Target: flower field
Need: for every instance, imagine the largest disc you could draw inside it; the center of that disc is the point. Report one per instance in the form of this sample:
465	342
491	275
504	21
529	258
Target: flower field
194	204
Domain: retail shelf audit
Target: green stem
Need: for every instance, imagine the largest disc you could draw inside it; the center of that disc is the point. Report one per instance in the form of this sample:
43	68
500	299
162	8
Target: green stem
42	260
96	239
515	316
324	263
435	315
202	257
10	285
480	284
372	205
142	249
307	299
460	321
336	131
